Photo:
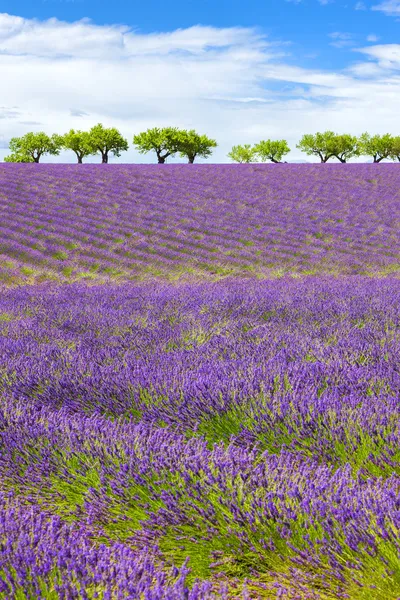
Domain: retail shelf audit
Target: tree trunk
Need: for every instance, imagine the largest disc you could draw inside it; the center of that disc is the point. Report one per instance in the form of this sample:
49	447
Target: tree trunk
161	160
36	159
274	160
191	160
104	157
79	159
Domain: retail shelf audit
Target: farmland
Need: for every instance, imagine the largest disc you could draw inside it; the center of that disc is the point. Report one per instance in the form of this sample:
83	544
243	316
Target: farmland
200	382
141	222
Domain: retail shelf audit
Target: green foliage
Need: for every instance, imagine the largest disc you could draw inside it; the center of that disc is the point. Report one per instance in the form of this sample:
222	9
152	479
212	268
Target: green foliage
168	140
60	255
345	146
18	158
243	154
5	317
192	144
272	150
106	140
329	144
318	144
34	145
395	150
27	271
195	542
377	146
79	142
221	426
125	511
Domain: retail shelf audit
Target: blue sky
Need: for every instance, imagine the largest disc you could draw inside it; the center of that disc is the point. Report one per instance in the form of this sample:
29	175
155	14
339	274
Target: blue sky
237	71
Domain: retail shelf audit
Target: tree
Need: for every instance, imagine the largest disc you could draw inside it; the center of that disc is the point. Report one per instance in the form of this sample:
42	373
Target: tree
168	140
243	154
395	151
18	158
192	144
34	145
377	146
106	140
346	146
319	144
272	150
79	142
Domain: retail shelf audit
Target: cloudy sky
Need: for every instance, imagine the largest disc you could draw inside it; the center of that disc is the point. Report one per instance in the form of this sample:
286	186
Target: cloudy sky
239	71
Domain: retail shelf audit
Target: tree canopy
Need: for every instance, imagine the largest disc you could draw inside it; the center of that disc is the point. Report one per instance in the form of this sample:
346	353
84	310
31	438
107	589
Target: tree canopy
18	158
345	146
34	145
377	146
168	141
80	143
192	144
329	144
272	150
318	144
395	151
165	142
243	154
106	140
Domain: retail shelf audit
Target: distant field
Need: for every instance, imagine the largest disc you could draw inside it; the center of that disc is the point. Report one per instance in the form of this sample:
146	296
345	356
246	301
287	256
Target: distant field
140	222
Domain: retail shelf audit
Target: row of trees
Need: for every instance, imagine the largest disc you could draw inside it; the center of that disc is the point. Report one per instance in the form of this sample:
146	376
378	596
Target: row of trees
169	141
99	140
325	145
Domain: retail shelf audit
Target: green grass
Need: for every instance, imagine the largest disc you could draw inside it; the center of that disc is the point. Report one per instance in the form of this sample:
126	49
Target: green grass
6	317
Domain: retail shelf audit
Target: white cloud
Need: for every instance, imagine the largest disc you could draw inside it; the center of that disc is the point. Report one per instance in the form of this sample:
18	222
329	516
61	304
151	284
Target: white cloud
372	38
386	55
232	84
360	6
365	70
340	39
389	7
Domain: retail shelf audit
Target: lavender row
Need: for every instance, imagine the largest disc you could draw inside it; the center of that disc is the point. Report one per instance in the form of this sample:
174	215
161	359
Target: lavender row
236	514
43	557
250	427
66	222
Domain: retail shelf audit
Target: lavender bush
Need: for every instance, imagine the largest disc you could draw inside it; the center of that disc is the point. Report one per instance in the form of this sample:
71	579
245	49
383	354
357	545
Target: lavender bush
233	439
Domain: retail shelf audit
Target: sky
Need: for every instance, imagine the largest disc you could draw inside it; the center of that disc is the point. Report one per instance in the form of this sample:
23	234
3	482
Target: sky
237	71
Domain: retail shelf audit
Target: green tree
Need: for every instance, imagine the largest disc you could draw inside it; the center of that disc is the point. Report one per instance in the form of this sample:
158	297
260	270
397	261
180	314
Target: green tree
79	142
346	146
272	150
377	146
192	144
106	140
168	140
243	154
18	158
318	144
395	151
35	145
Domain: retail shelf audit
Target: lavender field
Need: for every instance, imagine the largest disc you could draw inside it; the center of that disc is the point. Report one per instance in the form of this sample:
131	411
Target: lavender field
200	382
140	222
